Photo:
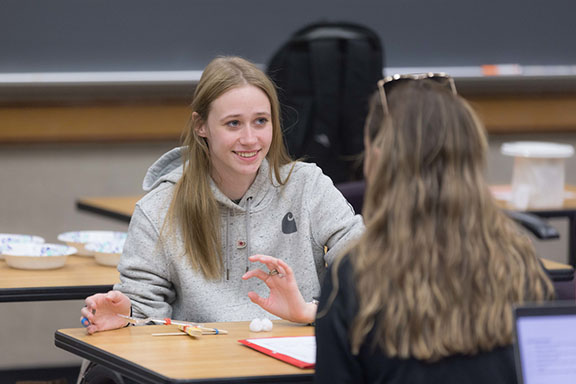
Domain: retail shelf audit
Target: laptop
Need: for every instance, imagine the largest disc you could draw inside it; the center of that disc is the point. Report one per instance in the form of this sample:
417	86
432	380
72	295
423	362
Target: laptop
545	347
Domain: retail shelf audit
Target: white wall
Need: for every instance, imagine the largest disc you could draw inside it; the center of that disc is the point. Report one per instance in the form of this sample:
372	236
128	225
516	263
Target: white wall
39	185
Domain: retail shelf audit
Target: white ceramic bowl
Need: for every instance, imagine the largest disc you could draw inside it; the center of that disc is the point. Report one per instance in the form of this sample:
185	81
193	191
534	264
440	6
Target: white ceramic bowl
37	256
11	238
106	253
79	239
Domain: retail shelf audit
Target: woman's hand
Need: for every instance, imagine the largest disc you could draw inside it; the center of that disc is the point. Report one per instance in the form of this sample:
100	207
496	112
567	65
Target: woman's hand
102	311
285	299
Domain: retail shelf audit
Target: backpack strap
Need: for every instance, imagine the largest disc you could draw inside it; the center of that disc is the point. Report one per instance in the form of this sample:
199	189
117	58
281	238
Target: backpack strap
326	71
363	70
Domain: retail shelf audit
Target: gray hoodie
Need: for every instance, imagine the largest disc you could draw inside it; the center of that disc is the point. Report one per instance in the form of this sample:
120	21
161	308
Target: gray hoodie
293	222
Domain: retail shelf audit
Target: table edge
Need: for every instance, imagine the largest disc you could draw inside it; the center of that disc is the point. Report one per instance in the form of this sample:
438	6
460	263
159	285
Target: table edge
82	206
51	293
559	275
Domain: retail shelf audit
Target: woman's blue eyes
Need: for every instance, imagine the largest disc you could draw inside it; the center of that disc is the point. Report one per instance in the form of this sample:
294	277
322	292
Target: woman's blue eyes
236	123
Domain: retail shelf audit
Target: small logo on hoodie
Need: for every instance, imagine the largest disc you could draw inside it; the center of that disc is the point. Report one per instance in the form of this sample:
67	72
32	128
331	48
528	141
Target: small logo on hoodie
288	224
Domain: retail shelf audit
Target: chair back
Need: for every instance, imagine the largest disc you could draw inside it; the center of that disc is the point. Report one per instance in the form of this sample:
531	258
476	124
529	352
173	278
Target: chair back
353	191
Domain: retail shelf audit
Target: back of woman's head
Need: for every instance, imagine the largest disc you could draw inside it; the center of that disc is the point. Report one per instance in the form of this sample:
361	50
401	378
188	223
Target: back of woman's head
446	261
429	142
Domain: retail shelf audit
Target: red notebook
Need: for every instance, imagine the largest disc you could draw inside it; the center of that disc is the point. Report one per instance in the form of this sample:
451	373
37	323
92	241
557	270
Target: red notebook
298	350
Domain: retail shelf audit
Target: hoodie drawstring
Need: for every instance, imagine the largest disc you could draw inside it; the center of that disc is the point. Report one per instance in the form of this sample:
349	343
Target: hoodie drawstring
227	251
248	242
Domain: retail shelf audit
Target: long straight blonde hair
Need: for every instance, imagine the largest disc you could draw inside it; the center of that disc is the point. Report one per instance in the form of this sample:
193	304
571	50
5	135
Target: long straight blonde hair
194	209
439	265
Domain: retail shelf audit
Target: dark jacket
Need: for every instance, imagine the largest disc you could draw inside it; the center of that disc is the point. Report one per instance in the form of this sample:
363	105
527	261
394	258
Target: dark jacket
336	364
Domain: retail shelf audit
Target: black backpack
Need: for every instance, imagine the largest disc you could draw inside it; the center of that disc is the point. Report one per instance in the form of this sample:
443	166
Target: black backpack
325	74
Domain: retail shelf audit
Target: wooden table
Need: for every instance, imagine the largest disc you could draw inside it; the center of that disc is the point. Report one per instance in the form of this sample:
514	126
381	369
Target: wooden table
119	207
79	278
567	210
135	353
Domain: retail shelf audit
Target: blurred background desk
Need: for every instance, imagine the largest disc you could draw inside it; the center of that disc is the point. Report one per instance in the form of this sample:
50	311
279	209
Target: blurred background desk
122	207
568	210
562	276
135	353
119	207
79	278
27	334
558	271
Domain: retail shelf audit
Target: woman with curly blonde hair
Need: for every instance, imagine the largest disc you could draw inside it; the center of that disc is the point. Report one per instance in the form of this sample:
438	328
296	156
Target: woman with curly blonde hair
426	294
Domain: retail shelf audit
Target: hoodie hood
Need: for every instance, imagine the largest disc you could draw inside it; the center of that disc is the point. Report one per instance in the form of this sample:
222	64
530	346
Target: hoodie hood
167	168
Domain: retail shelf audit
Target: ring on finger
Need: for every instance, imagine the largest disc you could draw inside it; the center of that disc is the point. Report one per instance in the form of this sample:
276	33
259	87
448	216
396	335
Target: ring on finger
273	272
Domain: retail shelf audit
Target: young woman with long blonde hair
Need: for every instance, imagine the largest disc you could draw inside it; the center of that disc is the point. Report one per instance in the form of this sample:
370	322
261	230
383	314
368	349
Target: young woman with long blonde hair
228	198
426	294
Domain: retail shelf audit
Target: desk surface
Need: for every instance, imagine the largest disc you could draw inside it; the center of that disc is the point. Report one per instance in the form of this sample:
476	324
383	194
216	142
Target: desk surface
500	193
79	278
134	352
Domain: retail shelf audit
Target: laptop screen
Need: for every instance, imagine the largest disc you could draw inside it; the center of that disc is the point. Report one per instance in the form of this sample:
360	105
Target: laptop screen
546	343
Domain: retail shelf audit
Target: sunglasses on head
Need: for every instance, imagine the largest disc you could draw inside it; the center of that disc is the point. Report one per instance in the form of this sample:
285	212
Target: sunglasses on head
440	78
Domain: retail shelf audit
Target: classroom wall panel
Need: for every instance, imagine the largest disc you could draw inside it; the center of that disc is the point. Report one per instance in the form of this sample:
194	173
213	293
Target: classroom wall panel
131	35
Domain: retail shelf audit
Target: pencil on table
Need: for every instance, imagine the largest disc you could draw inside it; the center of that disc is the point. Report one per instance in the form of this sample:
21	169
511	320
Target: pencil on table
196	331
192	331
213	331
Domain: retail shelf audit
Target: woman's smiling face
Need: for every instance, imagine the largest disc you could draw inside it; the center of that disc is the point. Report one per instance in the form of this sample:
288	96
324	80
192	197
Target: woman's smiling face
239	133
